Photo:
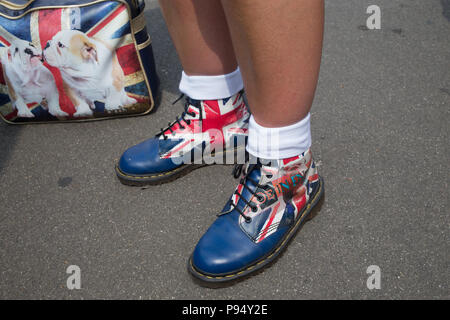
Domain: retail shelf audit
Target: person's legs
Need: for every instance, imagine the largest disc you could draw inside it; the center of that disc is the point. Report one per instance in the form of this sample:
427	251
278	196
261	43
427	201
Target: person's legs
199	31
215	116
278	46
200	34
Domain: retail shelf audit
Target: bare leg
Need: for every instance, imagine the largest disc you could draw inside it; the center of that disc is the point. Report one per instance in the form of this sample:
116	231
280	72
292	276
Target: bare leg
200	33
278	45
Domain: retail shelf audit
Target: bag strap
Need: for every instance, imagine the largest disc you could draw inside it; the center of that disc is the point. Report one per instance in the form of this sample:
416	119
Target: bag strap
138	5
16	6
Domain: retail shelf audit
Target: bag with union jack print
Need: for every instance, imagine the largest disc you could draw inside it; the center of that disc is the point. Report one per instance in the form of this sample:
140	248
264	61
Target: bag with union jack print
74	60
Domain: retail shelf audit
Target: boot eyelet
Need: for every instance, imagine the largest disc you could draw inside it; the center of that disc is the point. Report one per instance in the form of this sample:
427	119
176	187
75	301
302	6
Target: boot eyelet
254	209
248	219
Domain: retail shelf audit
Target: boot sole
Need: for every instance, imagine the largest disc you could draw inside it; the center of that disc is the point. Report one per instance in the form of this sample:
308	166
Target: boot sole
307	214
165	177
155	179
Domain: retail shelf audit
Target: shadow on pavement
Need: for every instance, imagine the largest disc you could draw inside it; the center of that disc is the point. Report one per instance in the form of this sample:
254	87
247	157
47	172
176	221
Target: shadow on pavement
9	135
446	9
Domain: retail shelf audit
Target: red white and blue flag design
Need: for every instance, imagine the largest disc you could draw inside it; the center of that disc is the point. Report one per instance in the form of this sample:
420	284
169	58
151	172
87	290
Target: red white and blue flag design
108	21
214	125
285	189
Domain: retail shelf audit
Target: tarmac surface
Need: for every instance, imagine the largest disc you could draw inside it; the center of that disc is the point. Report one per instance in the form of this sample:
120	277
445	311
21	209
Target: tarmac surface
380	125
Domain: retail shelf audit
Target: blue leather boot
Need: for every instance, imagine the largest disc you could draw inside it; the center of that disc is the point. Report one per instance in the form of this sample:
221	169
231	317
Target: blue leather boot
207	129
269	205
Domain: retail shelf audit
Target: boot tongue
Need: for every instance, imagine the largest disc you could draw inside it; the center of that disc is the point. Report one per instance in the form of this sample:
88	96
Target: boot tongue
261	172
253	172
193	102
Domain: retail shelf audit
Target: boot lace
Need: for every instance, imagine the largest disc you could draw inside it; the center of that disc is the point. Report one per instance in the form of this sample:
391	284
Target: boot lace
245	170
188	103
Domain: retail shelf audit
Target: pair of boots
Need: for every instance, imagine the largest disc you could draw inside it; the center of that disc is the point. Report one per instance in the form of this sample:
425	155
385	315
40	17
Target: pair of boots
272	200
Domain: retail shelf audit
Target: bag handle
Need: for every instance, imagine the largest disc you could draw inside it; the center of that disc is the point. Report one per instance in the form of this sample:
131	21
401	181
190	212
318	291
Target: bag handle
16	6
139	5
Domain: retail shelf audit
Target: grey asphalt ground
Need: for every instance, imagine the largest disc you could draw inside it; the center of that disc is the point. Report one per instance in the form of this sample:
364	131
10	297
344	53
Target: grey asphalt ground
380	125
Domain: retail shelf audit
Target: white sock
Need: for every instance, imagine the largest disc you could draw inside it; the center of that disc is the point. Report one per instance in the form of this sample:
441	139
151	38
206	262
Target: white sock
279	143
211	87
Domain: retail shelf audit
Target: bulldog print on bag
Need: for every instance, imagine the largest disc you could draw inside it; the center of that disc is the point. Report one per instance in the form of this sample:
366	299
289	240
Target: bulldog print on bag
28	80
90	71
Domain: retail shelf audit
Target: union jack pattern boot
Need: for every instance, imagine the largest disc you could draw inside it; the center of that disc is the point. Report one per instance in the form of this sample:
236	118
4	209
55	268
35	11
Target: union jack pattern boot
268	206
206	127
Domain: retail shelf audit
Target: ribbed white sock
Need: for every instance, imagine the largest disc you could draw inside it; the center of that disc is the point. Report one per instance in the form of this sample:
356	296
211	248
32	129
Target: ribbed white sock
279	143
211	87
